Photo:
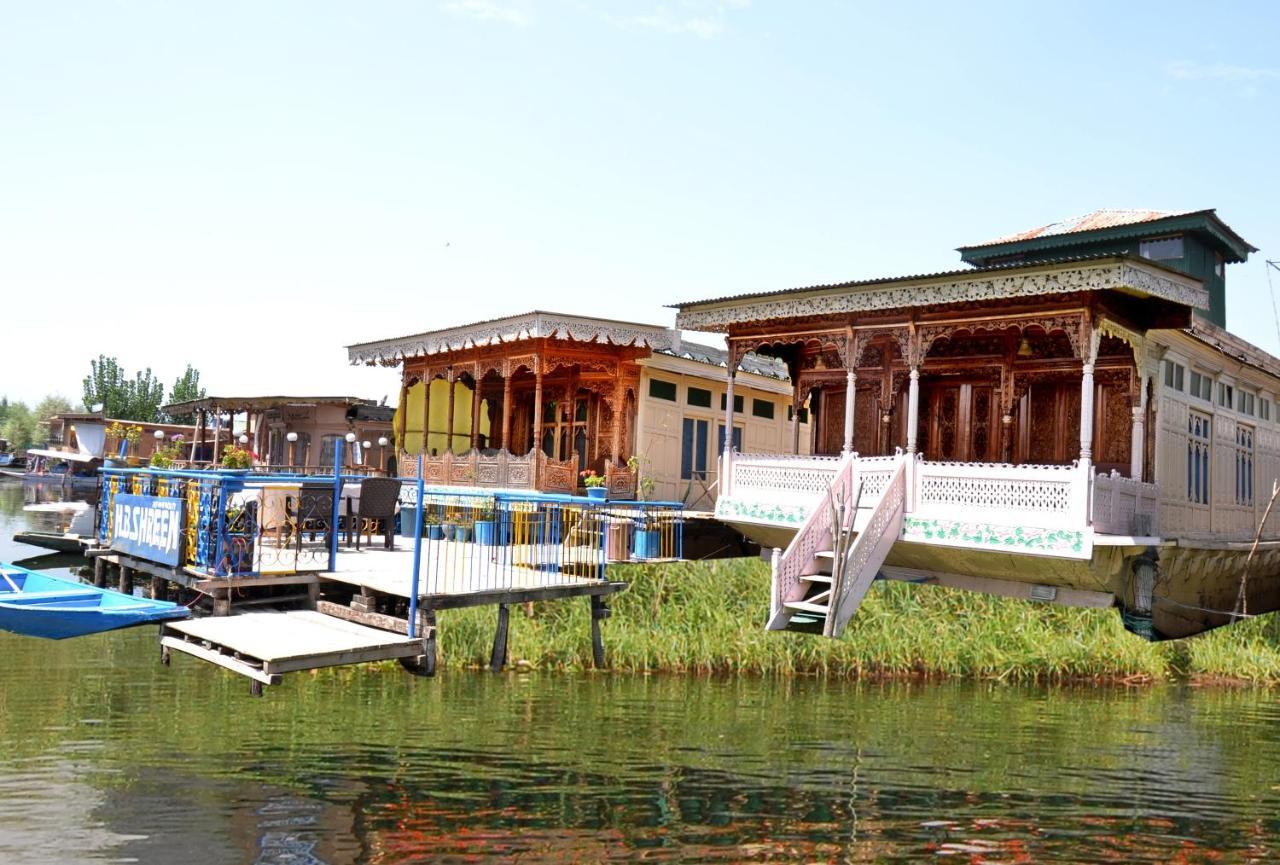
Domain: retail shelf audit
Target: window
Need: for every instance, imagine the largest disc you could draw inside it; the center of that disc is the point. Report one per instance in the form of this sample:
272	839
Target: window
700	397
1199	436
659	389
737	438
1244	465
1226	395
1217	264
1264	408
693	449
737	404
1201	386
327	443
1173	375
762	408
1245	403
804	414
1161	249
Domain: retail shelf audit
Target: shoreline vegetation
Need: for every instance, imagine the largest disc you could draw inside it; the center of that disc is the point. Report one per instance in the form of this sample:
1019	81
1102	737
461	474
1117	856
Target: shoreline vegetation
707	618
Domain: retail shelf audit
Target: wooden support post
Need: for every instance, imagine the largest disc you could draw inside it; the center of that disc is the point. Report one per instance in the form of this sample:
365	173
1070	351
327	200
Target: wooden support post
222	602
429	661
100	572
850	394
126	579
913	410
475	414
217	433
402	420
427	381
159	589
498	659
615	441
198	440
537	407
506	413
450	413
599	612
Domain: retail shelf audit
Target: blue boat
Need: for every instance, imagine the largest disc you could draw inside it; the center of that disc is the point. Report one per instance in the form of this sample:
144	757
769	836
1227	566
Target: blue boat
38	605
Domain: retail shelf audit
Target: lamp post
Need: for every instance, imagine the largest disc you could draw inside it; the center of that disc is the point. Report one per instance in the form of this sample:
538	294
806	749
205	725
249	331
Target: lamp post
365	446
292	438
382	453
351	439
159	437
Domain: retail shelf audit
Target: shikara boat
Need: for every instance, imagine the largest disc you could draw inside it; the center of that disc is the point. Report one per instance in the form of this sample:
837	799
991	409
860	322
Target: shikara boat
38	605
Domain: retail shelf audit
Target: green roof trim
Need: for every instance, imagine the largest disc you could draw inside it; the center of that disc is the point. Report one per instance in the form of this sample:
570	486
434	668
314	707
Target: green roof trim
1234	247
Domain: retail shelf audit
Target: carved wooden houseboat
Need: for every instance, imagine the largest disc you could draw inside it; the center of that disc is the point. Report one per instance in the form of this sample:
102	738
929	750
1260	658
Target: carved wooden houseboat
529	402
1068	421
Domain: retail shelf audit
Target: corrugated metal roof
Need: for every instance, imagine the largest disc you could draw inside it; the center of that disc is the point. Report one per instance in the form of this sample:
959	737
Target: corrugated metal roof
769	367
1092	221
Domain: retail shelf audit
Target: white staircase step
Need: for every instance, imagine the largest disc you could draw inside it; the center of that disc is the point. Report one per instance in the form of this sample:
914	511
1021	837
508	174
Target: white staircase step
806	607
816	578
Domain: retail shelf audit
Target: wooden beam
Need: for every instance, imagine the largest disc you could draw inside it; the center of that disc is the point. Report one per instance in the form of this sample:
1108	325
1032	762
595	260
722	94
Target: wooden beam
520	596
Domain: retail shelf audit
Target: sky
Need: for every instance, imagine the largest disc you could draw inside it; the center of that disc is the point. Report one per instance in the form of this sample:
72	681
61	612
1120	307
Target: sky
249	187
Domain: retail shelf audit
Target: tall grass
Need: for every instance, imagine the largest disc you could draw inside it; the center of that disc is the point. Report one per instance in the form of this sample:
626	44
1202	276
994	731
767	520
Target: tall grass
708	617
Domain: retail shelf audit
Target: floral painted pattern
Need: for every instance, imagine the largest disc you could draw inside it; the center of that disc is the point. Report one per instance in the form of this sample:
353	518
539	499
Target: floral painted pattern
761	512
1068	543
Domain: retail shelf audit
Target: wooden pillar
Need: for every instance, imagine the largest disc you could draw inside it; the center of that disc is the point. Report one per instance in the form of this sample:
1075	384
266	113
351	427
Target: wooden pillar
1086	412
850	394
427	380
615	439
1137	442
556	448
506	413
159	589
198	439
126	580
599	612
100	572
537	407
217	432
498	658
728	408
402	417
913	409
449	422
475	414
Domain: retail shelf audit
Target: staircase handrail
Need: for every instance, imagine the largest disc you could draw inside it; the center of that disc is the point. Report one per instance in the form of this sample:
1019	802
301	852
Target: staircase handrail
811	539
848	581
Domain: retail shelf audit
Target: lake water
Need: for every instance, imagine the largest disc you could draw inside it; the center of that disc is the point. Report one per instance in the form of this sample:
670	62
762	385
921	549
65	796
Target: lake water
107	756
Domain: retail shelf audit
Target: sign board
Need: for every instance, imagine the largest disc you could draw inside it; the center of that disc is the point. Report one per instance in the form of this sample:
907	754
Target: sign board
297	413
148	527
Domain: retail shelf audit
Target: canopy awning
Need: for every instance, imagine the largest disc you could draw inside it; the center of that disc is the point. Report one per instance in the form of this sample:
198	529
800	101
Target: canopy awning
72	456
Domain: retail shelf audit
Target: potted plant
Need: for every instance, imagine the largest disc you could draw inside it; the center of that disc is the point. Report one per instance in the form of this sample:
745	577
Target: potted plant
644	483
127	435
435	531
648	539
594	484
617	540
236	459
486	524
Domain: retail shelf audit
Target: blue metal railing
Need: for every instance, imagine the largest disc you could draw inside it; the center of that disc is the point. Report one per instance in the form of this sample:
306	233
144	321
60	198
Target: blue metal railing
465	539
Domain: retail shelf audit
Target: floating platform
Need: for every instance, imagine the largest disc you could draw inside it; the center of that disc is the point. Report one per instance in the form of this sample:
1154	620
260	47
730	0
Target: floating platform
264	645
57	541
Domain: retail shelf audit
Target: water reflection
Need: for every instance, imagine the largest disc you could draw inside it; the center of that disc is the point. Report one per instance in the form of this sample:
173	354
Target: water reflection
105	755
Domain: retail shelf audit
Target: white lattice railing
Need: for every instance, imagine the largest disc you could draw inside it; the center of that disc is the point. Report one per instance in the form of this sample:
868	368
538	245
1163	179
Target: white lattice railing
785	480
1123	506
852	577
875	474
997	492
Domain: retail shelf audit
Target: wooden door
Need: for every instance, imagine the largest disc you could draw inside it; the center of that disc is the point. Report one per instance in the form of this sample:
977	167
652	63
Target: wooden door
959	422
831	421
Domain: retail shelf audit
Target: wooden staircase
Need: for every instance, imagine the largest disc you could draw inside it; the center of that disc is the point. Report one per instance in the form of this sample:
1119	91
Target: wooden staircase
821	578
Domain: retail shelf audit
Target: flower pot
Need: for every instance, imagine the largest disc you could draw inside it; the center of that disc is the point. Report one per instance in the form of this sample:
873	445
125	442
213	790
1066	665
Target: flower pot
408	517
462	533
446	531
599	494
435	532
486	532
617	541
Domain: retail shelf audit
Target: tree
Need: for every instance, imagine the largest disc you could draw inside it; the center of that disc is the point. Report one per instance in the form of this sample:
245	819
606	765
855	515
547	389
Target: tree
185	389
107	385
49	406
19	426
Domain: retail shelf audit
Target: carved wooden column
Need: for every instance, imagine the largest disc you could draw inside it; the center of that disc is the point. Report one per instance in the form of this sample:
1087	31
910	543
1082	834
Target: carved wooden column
537	405
198	440
428	378
728	409
913	409
217	432
850	394
1138	441
796	405
475	414
448	427
402	416
556	451
615	445
506	411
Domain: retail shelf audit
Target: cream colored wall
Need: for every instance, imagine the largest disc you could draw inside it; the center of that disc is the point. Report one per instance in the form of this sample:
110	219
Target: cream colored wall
1223	518
660	425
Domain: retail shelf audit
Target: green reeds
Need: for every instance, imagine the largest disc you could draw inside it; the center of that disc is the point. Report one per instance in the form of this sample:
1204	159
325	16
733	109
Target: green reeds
708	618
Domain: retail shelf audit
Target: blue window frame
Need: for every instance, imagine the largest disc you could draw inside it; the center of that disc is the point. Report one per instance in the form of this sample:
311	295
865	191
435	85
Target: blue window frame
693	448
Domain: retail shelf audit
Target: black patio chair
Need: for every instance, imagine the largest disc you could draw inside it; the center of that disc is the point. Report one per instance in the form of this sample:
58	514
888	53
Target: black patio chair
378	497
309	512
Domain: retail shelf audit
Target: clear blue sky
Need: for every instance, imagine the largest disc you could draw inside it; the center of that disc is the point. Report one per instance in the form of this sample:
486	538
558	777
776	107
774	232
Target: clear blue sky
251	186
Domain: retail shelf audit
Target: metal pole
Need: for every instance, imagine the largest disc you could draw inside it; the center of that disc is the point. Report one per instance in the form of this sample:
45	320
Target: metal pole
337	499
417	560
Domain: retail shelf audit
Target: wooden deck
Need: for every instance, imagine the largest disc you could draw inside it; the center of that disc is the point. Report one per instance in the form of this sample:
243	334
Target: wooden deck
264	645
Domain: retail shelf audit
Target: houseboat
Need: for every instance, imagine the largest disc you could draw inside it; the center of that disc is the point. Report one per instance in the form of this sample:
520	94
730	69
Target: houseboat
293	434
534	401
1065	420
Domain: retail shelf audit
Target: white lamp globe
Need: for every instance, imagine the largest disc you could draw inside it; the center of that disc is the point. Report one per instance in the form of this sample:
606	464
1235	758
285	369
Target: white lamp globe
244	439
159	434
382	441
350	437
366	444
292	436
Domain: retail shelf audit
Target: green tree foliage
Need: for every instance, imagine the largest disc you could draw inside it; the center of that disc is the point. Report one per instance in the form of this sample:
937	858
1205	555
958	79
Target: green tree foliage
185	389
49	406
18	427
121	397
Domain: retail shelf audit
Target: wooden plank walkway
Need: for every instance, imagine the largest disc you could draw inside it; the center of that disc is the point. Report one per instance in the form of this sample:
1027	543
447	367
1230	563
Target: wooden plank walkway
264	645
